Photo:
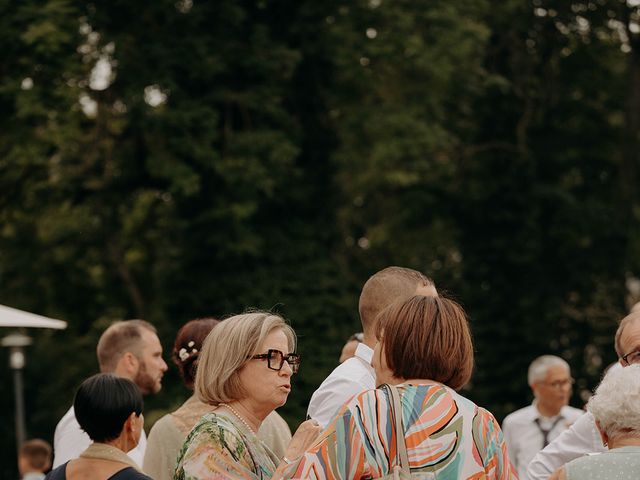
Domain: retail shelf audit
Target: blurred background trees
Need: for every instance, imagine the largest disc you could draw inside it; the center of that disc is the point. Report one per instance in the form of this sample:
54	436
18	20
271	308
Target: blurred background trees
174	159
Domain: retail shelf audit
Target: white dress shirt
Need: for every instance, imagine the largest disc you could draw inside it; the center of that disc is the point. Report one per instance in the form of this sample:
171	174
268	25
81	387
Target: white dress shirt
351	377
581	439
523	432
69	441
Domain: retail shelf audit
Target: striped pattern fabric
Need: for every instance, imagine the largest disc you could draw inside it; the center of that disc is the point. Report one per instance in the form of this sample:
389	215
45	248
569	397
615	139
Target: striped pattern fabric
447	437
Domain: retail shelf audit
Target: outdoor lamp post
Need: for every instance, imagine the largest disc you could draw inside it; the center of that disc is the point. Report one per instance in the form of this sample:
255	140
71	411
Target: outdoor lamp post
16	343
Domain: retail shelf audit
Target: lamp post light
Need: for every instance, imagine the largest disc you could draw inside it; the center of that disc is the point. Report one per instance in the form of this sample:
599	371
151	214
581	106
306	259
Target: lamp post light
16	343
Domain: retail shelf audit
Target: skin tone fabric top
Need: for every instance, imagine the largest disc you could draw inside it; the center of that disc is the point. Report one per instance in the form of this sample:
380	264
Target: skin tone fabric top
168	434
220	447
447	436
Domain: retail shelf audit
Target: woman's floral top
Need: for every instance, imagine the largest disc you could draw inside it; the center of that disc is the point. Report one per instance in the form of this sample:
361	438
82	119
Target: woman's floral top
219	447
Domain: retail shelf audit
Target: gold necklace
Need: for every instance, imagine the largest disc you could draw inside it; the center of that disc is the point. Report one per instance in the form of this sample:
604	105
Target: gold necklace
233	410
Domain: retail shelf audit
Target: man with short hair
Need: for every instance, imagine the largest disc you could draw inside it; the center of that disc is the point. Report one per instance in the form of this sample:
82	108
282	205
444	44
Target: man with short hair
129	349
530	429
583	437
34	458
356	374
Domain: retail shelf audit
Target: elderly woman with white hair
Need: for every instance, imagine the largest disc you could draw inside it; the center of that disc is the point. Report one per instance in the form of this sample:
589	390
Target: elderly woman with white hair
616	409
244	370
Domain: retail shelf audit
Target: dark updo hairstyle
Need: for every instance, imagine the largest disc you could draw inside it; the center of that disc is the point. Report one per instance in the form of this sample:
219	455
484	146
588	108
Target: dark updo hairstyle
103	403
187	347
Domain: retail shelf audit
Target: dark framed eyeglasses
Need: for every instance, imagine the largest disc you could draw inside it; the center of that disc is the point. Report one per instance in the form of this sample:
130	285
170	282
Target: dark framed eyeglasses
632	357
558	384
276	359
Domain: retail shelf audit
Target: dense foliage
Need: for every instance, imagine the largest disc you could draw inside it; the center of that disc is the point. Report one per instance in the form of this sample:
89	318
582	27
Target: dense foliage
174	159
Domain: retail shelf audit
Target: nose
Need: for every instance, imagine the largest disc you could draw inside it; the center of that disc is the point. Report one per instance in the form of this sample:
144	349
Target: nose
164	366
286	369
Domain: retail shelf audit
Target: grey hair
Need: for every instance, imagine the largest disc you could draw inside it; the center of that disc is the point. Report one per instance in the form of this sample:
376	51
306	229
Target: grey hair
615	402
539	367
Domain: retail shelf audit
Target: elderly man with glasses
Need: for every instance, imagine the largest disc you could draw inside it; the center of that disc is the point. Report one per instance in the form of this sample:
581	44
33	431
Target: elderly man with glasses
530	429
583	437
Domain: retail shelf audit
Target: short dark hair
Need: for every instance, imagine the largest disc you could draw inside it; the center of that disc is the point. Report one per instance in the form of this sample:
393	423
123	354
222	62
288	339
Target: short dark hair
103	403
187	347
37	454
427	337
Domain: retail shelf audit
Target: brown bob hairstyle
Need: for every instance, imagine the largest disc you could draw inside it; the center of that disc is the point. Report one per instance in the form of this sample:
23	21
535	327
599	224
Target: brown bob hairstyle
427	338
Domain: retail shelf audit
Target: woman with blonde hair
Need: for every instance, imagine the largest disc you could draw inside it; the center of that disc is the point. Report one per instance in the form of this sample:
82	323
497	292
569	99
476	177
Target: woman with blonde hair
244	372
168	433
424	354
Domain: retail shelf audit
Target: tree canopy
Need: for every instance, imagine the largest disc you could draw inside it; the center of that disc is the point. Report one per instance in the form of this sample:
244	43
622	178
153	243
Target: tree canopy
174	159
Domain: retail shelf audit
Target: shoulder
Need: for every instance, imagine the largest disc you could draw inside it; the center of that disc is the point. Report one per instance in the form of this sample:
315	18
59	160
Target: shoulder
572	413
354	370
215	430
67	421
519	416
58	473
129	473
163	426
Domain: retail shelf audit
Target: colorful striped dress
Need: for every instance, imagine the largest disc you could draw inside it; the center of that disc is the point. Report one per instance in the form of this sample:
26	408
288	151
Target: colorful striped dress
448	437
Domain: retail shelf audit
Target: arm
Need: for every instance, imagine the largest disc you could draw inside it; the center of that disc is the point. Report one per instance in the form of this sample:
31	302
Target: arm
69	441
509	439
560	474
327	400
339	452
162	450
580	439
492	447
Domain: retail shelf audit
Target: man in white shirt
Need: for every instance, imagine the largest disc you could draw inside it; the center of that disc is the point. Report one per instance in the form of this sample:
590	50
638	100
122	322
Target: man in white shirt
356	374
129	349
583	437
530	429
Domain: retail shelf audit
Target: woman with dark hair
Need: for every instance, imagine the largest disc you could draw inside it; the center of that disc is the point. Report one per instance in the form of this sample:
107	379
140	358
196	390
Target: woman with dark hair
109	410
423	355
168	433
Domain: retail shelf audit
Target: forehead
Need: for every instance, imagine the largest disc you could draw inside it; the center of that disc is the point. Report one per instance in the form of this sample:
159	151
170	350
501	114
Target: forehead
150	340
557	372
276	340
630	338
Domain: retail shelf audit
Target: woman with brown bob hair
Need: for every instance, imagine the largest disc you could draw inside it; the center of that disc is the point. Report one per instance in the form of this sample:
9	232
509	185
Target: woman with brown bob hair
425	351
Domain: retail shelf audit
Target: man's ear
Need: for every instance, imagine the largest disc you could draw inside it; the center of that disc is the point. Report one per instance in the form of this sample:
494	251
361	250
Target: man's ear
127	366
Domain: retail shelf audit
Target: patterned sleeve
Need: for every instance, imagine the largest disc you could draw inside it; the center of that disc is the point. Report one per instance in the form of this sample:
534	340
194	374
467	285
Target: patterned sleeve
491	447
354	445
213	452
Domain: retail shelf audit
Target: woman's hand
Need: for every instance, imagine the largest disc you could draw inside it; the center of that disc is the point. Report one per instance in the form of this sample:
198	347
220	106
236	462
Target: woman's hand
304	437
560	474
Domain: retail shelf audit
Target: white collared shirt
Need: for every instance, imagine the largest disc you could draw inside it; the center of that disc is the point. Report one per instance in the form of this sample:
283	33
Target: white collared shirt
523	434
581	439
351	377
69	441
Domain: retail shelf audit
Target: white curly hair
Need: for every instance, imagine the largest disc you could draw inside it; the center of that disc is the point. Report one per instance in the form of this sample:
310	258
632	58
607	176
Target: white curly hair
616	402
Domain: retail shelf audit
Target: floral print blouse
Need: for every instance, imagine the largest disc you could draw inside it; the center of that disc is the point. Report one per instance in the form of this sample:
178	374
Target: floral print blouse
220	447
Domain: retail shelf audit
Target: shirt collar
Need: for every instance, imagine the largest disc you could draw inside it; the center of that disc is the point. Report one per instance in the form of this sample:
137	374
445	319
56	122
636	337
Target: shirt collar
364	352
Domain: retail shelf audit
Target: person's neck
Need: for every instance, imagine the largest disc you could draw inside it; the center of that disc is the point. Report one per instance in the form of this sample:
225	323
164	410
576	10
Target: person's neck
546	411
121	443
624	442
254	417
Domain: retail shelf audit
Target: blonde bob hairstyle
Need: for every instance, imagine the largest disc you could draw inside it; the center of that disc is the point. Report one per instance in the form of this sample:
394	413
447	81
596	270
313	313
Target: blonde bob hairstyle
227	349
